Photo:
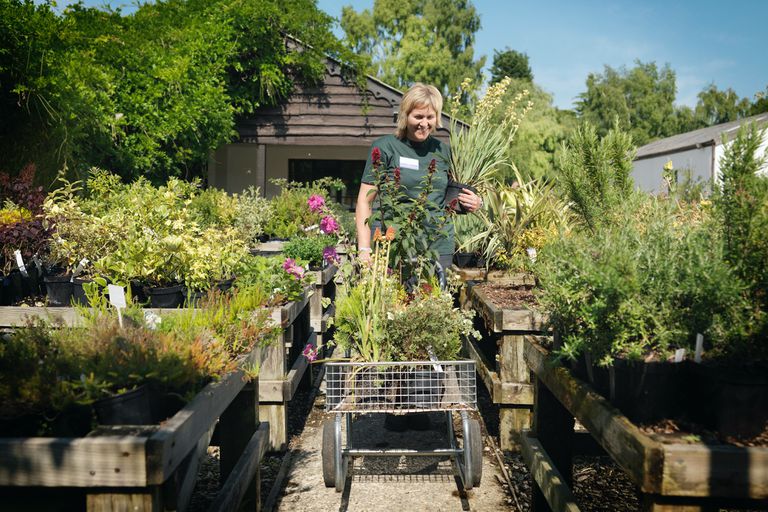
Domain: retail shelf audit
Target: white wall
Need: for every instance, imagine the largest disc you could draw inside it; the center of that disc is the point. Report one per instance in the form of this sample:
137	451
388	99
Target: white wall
648	172
233	167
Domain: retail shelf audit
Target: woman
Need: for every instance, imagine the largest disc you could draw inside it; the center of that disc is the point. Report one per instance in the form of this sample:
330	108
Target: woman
412	148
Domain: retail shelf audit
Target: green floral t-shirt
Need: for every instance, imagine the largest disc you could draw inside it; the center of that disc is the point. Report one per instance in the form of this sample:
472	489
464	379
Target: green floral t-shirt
413	159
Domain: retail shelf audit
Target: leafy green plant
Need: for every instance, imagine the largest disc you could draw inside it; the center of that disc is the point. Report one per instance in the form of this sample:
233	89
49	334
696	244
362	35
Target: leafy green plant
291	215
309	249
518	217
479	154
642	286
281	278
254	212
595	173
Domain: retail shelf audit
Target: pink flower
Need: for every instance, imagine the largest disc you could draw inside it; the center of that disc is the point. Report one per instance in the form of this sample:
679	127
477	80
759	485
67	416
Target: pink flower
290	266
328	225
310	352
376	157
316	203
329	255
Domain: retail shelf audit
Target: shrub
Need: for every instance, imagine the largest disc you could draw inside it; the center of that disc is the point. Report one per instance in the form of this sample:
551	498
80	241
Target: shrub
309	249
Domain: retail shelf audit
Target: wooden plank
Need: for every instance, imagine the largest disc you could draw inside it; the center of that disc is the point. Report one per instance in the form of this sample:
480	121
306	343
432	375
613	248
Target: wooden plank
177	491
243	474
483	366
82	462
640	456
724	471
543	471
512	367
513	421
11	316
138	500
180	434
499	320
277	417
501	392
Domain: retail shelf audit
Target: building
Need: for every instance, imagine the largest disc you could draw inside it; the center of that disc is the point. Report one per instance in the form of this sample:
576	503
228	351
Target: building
318	131
697	152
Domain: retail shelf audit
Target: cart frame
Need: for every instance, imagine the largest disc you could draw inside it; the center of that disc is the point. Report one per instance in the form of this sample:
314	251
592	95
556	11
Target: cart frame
401	387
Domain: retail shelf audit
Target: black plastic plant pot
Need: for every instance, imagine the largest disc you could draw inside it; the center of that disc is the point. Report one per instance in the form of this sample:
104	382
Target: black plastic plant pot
59	290
78	293
193	297
166	297
225	284
423	388
139	293
452	195
130	408
6	294
465	259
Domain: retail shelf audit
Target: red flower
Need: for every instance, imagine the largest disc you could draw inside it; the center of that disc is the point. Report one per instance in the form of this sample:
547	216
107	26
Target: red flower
432	167
397	176
376	157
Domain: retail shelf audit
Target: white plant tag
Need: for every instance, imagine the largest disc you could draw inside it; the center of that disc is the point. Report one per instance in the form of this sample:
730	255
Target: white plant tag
679	355
409	163
532	254
79	269
38	264
432	357
116	296
20	263
699	347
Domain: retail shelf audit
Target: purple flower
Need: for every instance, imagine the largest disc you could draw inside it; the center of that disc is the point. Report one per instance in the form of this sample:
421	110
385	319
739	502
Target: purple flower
290	266
330	256
310	352
315	203
328	225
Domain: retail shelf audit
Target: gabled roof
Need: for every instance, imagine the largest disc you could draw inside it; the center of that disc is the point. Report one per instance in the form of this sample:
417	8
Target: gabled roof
710	136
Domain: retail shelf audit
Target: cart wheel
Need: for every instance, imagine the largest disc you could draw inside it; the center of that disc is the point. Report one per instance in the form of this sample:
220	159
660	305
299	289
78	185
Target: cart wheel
329	453
473	441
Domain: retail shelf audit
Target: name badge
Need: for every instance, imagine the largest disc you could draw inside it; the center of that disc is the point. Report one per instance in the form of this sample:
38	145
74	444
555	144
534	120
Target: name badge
409	163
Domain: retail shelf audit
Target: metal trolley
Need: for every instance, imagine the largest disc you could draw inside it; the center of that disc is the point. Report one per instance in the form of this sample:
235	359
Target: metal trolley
401	387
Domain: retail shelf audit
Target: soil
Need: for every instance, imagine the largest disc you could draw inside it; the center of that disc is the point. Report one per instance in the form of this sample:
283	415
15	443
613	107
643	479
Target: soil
679	431
507	296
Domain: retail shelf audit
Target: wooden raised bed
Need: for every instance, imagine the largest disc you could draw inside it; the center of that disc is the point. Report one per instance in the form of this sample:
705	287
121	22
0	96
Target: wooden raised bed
506	376
149	468
672	476
282	366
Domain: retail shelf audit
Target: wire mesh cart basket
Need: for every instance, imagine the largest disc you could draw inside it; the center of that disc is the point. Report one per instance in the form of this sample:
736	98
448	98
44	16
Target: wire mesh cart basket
401	387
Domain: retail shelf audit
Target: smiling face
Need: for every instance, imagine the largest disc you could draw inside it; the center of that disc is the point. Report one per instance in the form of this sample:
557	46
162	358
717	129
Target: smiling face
421	123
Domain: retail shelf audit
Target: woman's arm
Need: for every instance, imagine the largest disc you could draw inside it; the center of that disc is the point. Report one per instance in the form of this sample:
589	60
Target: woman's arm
363	212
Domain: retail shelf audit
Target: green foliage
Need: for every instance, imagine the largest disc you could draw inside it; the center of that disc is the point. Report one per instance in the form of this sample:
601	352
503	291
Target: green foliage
428	325
309	249
510	63
153	92
643	286
290	214
270	274
394	35
595	173
742	205
640	100
253	214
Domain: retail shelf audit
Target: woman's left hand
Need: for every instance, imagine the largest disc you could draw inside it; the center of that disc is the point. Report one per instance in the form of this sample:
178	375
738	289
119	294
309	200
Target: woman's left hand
469	200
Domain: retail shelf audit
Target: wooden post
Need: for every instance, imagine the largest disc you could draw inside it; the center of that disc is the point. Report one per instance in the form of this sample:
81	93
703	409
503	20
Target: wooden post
513	418
273	368
658	503
237	426
553	427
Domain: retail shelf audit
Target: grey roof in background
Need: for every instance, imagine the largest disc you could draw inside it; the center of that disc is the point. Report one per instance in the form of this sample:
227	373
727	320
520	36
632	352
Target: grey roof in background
710	136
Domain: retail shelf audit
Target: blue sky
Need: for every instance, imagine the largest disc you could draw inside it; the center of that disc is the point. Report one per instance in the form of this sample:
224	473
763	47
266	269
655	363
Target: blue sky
704	41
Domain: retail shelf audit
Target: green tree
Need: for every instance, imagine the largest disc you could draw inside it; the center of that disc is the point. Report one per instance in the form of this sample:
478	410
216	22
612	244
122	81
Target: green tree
407	41
641	99
716	106
510	63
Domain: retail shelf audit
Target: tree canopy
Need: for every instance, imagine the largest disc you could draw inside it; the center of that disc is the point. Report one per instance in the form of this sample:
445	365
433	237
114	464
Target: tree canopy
510	63
407	41
151	93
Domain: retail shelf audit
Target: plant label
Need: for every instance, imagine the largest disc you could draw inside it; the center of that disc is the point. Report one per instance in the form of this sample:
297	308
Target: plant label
532	254
679	355
79	269
116	296
20	263
699	347
38	264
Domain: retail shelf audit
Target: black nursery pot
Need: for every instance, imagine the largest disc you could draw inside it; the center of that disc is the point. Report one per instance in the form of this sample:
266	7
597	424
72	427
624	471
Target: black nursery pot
78	294
131	408
59	290
452	195
166	297
423	388
6	294
465	259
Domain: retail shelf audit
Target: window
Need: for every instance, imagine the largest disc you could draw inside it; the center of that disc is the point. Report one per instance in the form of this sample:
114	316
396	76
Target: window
348	171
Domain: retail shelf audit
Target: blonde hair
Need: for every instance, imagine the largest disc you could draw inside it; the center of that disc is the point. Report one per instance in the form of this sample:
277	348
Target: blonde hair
419	95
